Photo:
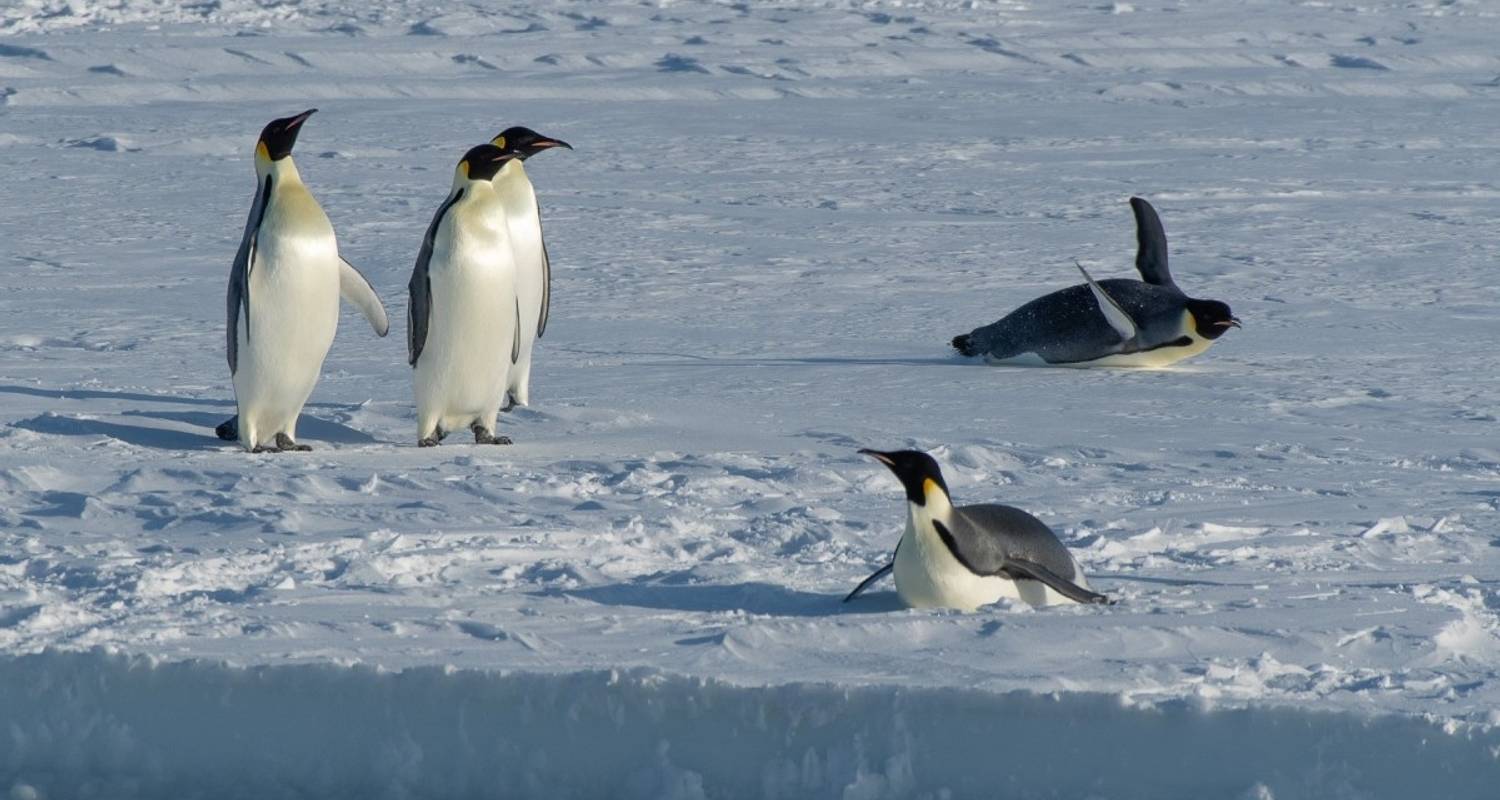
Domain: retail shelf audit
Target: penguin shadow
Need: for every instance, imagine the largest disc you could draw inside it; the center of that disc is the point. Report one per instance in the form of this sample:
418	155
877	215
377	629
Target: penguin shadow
95	394
688	359
749	598
309	428
138	435
141	397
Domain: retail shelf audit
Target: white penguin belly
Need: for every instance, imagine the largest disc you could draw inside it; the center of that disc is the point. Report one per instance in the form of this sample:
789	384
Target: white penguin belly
1146	359
462	374
929	576
1149	359
292	319
526	243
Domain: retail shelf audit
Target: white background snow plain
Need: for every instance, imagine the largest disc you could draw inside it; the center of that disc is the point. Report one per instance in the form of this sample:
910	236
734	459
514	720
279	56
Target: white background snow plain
776	216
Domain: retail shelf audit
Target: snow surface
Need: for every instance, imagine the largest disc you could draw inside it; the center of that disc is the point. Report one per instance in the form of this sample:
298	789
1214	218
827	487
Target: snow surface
775	218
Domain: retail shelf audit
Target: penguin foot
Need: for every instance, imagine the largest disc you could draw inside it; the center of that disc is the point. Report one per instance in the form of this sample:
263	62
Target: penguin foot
265	448
965	345
229	429
510	402
430	441
285	442
482	436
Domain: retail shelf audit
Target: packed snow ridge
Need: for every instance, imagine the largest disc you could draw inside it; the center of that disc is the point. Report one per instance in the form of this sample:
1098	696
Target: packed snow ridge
94	724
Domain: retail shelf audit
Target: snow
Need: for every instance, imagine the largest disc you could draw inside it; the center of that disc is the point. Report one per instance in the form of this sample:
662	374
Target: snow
776	217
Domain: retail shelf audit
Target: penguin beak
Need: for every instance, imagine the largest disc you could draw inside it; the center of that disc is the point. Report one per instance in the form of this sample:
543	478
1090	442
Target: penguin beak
546	144
296	122
878	456
1232	322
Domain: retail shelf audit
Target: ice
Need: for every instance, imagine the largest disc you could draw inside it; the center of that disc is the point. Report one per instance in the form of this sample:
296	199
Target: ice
776	218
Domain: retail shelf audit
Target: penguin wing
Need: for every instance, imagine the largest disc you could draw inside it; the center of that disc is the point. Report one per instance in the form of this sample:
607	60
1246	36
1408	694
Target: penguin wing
419	289
1151	241
354	288
238	297
515	340
1113	313
870	581
541	319
1020	567
993	539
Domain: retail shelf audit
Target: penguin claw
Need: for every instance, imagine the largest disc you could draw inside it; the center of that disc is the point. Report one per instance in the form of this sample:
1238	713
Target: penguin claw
483	436
284	442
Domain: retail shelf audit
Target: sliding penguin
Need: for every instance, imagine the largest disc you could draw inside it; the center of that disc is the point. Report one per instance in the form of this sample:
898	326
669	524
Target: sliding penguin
463	323
968	556
1115	323
283	301
533	271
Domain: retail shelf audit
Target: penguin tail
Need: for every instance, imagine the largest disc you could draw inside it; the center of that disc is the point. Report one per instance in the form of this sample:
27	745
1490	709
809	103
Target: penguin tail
965	345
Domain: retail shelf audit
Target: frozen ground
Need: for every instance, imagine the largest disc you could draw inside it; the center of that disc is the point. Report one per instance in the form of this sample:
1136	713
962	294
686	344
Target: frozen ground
775	218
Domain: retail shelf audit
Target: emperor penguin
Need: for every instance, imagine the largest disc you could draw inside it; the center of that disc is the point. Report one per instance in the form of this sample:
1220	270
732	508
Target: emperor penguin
1118	322
533	270
965	557
283	300
463	320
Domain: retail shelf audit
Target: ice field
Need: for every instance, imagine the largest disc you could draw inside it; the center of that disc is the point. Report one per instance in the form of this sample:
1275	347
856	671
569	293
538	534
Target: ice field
776	217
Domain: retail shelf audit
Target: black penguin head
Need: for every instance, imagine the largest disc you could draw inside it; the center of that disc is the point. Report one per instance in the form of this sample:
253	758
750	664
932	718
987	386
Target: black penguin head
1212	318
280	134
482	162
525	142
915	468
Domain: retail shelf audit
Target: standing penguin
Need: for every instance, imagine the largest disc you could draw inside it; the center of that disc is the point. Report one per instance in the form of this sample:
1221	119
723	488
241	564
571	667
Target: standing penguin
965	557
533	271
1115	323
463	323
283	301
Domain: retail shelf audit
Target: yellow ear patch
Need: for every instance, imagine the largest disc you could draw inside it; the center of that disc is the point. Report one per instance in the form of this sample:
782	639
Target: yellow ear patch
929	486
262	152
463	167
498	141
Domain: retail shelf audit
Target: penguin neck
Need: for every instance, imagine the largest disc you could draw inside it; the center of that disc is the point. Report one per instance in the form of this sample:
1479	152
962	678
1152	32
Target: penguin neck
937	507
476	191
283	171
513	170
513	185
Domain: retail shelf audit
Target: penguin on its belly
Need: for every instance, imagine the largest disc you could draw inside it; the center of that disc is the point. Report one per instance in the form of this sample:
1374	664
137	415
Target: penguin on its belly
1112	323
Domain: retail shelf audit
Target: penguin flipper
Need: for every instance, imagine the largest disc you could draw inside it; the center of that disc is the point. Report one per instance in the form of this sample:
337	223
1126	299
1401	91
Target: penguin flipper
419	288
1020	567
541	319
1113	313
237	300
358	291
870	581
1151	241
515	340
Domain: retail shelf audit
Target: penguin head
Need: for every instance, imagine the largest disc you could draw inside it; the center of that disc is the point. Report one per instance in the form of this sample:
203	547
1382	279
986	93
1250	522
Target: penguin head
482	162
525	142
1211	318
277	138
916	470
